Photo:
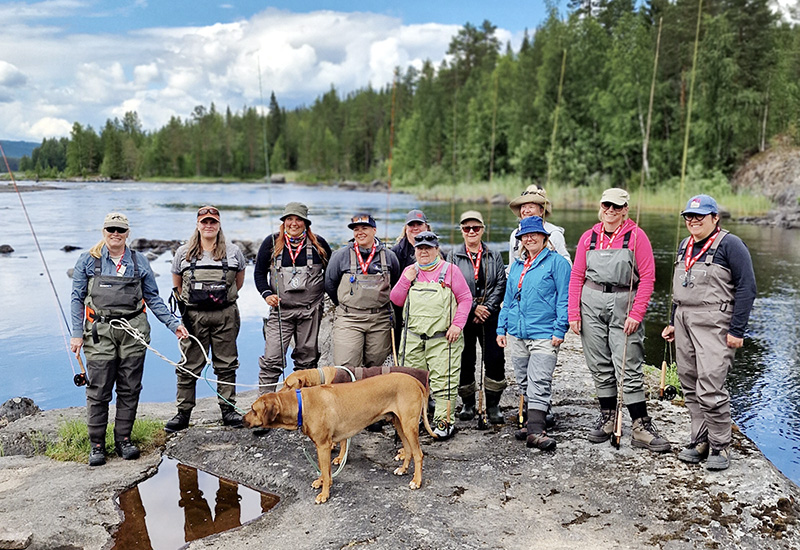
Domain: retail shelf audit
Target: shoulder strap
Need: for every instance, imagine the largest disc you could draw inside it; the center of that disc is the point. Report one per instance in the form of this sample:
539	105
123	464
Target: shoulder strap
97	267
715	246
627	239
353	253
309	254
384	263
593	241
443	273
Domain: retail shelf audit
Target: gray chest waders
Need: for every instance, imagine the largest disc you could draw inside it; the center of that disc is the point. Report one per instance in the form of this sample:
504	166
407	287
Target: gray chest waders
208	288
112	297
364	291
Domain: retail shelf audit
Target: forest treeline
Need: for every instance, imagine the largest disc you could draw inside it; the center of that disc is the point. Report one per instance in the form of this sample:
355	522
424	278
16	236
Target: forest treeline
490	108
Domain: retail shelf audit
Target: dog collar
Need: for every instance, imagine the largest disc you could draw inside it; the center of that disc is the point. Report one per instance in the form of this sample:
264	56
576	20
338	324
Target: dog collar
321	375
299	409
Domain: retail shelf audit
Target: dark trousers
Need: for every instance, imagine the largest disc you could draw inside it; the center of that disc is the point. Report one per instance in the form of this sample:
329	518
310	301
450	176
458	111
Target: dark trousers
126	373
484	335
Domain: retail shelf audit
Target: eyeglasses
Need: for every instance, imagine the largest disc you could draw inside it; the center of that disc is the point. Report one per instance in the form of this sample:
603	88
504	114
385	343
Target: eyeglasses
471	228
204	211
611	205
116	230
529	236
694	217
426	238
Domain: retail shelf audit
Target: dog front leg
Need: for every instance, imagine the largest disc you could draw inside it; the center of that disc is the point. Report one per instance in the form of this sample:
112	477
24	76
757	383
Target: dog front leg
324	458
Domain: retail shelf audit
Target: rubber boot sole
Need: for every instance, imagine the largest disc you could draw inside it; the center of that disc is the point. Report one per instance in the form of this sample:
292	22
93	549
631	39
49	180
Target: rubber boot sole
663	448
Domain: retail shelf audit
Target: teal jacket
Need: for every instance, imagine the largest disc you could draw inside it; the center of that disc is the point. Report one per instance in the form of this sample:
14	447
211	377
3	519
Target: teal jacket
538	310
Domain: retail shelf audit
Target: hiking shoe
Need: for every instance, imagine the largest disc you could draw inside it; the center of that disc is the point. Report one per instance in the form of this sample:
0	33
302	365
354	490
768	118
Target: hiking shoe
719	459
443	430
645	436
231	418
694	452
540	441
178	422
97	456
126	449
521	434
603	427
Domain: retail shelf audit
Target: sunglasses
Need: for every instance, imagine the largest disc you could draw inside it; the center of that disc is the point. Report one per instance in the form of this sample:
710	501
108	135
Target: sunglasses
611	205
425	238
116	230
204	211
694	217
471	228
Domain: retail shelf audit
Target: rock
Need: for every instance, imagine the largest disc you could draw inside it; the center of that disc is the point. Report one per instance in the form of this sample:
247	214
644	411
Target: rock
277	178
13	541
70	271
151	256
378	185
6	249
157	246
70	248
348	185
499	198
17	407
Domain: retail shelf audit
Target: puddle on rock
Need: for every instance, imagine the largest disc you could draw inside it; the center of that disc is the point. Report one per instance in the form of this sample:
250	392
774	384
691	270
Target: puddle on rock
180	504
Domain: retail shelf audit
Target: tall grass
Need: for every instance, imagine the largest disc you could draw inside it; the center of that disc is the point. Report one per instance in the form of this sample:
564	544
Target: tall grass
73	443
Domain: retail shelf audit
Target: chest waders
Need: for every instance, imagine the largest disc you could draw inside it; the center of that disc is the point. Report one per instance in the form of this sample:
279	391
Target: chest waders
363	291
208	287
112	297
299	286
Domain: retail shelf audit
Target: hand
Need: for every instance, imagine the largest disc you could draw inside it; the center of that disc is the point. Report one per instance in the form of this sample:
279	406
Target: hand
181	332
75	345
575	326
482	312
477	321
453	333
630	326
668	333
556	341
411	273
272	300
501	341
734	342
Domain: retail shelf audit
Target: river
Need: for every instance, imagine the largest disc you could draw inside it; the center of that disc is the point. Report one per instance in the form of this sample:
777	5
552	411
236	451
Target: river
764	383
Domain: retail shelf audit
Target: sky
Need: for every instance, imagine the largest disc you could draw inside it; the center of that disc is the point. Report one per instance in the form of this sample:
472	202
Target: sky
87	61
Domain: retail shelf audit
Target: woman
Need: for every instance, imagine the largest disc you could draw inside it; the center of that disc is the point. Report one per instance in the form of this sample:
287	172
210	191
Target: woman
207	274
416	223
437	302
710	308
289	274
535	313
533	202
484	271
610	287
110	282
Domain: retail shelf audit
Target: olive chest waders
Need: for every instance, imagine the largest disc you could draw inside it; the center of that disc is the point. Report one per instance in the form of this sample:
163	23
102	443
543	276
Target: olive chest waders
211	315
363	325
430	309
113	356
297	317
704	298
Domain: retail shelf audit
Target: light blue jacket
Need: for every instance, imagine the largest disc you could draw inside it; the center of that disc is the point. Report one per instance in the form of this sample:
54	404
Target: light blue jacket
539	310
84	269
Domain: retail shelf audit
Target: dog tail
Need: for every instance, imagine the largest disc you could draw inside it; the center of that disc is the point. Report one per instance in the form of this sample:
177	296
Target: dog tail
425	412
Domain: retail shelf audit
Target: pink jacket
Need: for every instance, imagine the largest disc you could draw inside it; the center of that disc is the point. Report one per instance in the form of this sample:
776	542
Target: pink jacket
454	280
645	263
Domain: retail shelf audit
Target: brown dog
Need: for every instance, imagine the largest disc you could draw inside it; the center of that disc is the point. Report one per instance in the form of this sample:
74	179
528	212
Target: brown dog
333	413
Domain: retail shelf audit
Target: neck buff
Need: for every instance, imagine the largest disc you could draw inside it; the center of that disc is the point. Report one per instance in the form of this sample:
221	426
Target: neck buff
431	266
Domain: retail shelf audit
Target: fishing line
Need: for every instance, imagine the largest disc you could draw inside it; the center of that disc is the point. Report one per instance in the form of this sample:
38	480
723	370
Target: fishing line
47	271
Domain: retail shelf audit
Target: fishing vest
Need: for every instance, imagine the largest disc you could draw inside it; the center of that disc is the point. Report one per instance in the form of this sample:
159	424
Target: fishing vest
299	286
112	297
609	270
208	287
706	283
363	291
427	306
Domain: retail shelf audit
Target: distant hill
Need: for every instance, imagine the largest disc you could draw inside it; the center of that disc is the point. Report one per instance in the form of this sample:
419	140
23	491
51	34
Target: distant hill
18	149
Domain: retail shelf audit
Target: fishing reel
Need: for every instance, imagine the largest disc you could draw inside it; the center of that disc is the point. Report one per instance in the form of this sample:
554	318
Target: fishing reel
482	425
79	379
669	393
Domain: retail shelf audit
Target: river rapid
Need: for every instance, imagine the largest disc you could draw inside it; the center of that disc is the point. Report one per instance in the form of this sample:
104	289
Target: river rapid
764	383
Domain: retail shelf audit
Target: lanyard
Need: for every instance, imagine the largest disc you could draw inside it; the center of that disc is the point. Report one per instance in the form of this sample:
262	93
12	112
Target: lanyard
365	265
526	268
611	239
292	254
691	260
476	264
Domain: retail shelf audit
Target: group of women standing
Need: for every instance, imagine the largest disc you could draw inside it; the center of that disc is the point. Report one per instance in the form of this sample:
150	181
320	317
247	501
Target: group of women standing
439	310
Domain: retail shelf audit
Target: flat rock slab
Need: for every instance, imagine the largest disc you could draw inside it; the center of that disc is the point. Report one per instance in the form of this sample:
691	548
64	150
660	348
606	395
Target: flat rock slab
481	489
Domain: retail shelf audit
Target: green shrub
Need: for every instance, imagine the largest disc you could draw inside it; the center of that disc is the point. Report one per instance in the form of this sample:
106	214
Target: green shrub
73	439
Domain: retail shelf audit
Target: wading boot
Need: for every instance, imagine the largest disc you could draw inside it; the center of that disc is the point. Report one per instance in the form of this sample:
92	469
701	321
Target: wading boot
231	418
694	452
493	407
126	449
97	456
719	459
178	422
603	427
537	437
468	411
645	436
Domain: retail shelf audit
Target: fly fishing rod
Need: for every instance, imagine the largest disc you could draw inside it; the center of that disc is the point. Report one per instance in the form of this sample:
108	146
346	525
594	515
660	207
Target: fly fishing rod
79	378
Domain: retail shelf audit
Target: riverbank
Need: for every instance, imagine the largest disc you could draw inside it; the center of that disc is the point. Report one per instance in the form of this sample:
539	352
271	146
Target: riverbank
482	489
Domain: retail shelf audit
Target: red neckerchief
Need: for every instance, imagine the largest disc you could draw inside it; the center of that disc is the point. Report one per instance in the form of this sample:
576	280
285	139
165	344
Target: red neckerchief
292	254
475	264
526	267
365	265
611	239
691	260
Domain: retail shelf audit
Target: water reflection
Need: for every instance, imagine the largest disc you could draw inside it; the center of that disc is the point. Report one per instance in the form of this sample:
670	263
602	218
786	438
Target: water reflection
180	495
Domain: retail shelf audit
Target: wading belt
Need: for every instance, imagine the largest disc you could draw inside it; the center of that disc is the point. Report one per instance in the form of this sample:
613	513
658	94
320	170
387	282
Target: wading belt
607	288
107	319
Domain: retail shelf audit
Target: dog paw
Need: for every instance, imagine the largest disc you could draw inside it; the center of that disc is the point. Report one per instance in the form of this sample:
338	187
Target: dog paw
401	455
400	471
317	483
337	461
413	485
321	498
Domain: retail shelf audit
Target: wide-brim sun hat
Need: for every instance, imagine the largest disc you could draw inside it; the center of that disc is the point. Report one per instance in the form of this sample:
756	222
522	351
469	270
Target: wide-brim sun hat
296	209
532	194
615	195
701	204
531	224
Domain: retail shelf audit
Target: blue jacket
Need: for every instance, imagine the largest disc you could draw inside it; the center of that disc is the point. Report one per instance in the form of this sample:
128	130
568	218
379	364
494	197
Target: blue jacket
539	310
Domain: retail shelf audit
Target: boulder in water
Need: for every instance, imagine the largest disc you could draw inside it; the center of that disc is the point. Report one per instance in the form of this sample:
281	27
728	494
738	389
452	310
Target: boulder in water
6	249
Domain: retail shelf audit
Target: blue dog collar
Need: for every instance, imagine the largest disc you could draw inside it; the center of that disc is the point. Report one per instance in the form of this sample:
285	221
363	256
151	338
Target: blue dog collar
299	409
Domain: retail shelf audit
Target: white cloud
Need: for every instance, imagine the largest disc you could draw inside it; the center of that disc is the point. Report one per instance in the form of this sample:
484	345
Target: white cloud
164	72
